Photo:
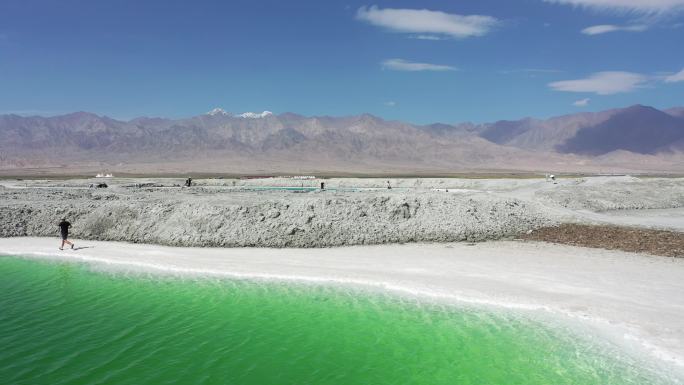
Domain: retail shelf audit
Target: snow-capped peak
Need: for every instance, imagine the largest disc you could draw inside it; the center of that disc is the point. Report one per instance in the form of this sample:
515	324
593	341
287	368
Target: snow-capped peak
255	115
218	111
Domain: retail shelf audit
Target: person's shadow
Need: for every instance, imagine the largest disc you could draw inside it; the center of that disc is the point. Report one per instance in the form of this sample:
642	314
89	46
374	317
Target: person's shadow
83	247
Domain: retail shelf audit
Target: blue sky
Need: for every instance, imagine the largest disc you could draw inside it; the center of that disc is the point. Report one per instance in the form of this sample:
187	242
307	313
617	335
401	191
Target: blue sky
418	61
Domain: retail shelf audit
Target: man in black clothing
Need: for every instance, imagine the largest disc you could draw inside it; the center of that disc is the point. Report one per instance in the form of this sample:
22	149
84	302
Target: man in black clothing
64	230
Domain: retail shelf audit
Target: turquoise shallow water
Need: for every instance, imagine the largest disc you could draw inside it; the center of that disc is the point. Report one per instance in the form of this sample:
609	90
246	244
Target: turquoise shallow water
62	323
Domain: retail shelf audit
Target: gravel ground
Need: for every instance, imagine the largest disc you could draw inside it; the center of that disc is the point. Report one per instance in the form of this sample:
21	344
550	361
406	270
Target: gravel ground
654	242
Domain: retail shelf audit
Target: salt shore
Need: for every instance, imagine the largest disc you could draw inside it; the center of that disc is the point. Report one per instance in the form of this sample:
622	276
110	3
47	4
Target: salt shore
635	300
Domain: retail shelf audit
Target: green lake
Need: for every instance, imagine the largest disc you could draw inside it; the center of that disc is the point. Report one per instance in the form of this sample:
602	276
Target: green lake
63	323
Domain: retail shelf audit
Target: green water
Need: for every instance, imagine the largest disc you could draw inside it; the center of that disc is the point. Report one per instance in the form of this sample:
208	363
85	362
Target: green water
65	324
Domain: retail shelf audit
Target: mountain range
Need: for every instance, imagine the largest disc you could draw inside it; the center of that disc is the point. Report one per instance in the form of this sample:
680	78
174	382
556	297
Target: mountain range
632	139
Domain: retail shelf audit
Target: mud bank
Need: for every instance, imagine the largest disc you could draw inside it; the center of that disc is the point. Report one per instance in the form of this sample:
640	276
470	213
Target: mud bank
630	239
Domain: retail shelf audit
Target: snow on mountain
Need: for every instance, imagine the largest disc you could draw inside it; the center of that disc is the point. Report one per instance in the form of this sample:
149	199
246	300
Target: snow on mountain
247	115
218	111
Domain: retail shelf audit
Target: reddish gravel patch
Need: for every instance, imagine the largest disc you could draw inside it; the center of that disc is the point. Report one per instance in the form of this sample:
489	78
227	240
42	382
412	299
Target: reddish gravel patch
655	242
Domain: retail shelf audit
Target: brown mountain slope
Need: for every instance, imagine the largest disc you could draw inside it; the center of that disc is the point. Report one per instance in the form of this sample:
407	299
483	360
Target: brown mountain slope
637	129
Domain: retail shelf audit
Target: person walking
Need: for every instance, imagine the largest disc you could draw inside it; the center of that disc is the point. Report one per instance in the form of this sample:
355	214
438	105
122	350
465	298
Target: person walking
64	230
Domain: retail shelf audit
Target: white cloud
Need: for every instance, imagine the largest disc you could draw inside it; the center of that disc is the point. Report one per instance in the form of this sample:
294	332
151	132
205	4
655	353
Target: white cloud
603	83
605	28
581	102
255	115
424	21
633	6
403	65
390	103
678	77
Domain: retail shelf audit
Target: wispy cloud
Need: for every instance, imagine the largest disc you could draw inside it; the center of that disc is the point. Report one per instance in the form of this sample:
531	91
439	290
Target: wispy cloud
531	71
678	77
628	6
606	28
615	82
426	22
404	65
390	103
582	102
603	83
427	37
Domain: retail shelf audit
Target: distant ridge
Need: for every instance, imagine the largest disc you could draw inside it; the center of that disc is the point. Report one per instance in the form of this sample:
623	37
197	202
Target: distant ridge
633	138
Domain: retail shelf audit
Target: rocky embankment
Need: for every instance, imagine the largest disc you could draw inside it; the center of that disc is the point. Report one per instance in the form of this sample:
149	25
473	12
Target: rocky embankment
236	218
